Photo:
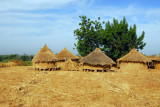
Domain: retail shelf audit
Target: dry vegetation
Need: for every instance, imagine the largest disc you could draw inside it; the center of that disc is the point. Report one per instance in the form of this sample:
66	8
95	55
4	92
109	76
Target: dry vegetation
22	86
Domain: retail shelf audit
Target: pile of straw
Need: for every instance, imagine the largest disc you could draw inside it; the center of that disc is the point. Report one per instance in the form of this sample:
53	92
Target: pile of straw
18	62
69	65
9	64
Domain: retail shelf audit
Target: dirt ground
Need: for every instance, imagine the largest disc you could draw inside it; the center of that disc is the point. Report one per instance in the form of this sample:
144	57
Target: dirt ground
22	86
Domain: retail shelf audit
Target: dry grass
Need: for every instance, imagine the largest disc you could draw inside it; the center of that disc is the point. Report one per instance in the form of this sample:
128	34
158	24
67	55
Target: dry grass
22	86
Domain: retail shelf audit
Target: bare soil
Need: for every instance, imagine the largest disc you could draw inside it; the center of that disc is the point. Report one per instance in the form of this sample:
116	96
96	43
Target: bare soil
22	86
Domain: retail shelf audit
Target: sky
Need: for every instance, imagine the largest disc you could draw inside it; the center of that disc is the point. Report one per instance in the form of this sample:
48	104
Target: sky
26	25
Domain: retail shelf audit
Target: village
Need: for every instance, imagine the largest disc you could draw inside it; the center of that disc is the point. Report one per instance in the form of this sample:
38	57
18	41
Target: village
95	80
96	61
79	53
65	79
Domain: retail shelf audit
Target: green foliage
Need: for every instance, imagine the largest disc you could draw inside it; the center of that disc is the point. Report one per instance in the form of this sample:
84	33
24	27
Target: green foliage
88	35
116	39
28	63
7	58
1	59
26	57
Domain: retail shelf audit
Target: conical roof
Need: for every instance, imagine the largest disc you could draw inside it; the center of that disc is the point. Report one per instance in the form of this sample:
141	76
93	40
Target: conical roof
97	57
152	57
134	56
44	55
65	54
157	58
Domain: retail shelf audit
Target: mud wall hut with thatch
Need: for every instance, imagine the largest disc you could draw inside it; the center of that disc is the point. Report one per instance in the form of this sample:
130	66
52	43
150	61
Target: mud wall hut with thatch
133	61
156	62
96	61
70	65
63	56
45	59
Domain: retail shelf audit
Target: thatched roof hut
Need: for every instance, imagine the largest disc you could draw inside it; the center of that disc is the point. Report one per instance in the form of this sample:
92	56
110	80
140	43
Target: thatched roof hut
63	56
69	65
44	55
133	61
96	60
151	57
157	58
97	57
45	59
134	56
156	61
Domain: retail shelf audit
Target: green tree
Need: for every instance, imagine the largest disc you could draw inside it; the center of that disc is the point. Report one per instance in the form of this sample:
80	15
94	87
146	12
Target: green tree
115	39
118	40
1	58
25	57
88	35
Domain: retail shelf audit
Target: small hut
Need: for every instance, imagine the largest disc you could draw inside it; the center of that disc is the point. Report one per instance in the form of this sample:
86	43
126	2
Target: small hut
69	65
96	61
63	56
45	59
156	61
133	61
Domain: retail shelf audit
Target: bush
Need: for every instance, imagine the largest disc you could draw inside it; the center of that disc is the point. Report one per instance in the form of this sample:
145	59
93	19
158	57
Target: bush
6	60
28	63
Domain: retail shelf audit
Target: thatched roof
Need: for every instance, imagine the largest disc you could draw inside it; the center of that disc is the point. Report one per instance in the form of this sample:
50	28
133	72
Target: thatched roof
97	57
44	55
134	56
152	57
65	54
157	58
69	65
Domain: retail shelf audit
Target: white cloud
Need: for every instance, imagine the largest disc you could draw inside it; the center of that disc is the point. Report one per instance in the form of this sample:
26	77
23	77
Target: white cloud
21	31
32	4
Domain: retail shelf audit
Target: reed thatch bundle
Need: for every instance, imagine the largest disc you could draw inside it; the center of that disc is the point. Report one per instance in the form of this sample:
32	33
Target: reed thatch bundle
97	57
65	55
18	62
9	64
151	57
134	56
69	65
44	55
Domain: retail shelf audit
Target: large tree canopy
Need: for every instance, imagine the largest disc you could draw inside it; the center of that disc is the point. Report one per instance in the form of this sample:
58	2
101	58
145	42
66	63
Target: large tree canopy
88	35
115	39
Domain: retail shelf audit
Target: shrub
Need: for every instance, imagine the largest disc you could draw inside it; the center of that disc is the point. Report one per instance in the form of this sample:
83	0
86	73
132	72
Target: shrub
28	63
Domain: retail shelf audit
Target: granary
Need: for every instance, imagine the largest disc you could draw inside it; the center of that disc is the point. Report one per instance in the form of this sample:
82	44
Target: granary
156	62
152	64
45	59
133	61
96	61
63	56
70	65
